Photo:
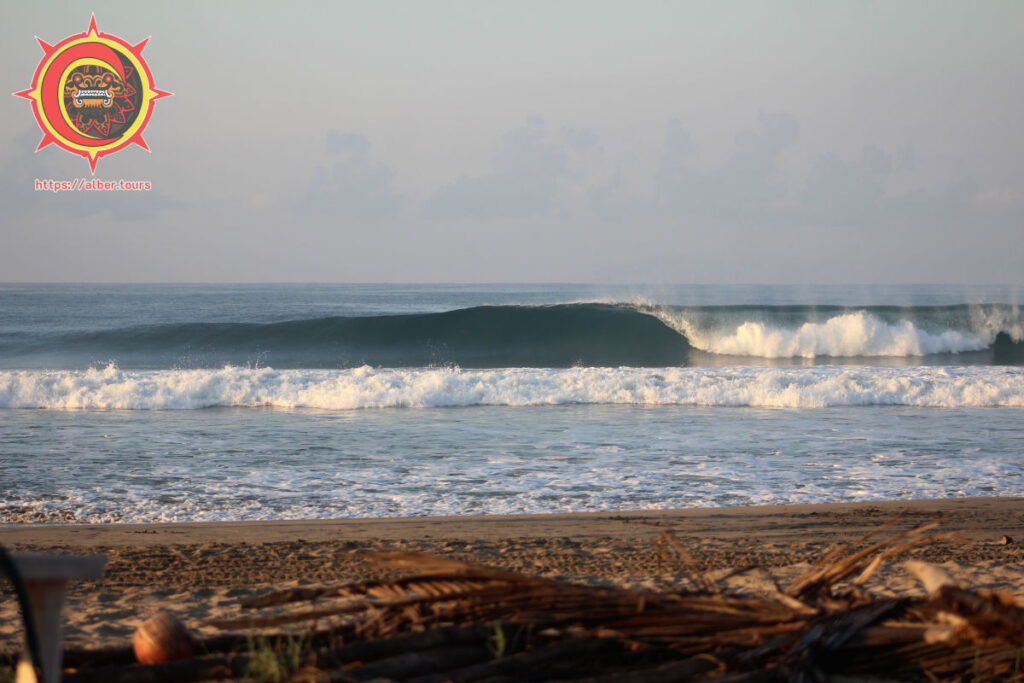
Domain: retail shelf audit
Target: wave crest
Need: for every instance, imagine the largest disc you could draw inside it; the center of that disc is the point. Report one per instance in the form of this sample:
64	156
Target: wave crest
846	335
365	387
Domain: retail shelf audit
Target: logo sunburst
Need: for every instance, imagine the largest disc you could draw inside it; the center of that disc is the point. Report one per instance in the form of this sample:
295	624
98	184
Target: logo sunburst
92	94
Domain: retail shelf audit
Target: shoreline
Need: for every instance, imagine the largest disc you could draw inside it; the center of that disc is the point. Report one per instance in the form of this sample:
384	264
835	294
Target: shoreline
771	522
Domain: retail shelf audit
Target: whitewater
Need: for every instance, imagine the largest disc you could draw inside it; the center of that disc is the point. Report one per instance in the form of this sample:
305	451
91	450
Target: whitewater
128	403
365	387
847	335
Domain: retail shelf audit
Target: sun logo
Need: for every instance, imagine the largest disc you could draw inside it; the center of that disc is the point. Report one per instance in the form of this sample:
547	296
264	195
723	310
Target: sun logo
92	94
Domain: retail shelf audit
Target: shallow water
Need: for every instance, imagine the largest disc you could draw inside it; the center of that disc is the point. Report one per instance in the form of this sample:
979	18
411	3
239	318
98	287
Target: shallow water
230	463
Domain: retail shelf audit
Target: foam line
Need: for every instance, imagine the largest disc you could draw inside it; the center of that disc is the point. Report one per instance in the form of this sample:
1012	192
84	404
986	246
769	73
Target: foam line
113	388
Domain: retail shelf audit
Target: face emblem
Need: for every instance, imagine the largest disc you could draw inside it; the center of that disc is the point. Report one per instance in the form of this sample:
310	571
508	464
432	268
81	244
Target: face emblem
95	98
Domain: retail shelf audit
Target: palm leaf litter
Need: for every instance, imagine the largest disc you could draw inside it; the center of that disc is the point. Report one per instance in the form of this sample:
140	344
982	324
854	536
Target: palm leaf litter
446	620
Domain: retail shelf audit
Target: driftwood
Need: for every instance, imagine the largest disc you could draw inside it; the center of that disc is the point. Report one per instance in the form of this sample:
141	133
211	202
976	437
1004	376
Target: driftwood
454	621
237	663
207	668
524	661
410	664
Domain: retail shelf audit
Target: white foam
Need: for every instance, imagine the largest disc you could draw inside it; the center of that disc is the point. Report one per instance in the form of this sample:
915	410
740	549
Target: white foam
846	335
987	321
365	387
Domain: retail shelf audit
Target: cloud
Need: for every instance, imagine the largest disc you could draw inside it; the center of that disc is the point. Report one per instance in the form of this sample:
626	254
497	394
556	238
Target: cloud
678	144
524	182
351	184
748	189
743	187
853	189
612	201
851	193
580	138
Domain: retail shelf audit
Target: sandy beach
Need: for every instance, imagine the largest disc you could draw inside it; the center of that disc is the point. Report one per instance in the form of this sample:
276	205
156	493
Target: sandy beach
200	571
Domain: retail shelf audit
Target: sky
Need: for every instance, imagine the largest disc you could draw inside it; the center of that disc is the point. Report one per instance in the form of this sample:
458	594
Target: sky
644	142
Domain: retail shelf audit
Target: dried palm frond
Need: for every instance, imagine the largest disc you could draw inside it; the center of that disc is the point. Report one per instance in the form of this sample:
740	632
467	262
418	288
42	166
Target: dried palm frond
446	620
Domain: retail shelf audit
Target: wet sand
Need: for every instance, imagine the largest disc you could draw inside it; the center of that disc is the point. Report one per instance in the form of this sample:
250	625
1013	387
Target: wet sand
203	570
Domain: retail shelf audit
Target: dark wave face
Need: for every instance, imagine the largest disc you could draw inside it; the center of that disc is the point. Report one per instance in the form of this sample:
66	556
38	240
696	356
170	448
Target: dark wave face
562	335
481	337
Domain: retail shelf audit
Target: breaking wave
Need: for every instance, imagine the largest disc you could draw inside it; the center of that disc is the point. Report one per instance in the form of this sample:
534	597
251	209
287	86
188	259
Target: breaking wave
845	335
366	387
554	336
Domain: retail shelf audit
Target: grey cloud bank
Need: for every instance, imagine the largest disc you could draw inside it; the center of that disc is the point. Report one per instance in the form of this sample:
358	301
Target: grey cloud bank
516	142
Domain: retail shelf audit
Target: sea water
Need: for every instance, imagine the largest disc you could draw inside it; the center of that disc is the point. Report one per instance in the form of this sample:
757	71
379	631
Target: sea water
227	402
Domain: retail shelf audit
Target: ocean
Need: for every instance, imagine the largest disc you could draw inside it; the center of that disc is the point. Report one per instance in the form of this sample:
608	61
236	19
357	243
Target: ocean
144	403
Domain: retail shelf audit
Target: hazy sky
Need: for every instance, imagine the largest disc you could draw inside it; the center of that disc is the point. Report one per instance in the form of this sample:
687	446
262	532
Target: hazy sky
684	142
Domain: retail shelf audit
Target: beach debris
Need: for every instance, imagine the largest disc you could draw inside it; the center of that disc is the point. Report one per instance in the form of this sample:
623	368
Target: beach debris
1006	540
931	577
446	620
162	638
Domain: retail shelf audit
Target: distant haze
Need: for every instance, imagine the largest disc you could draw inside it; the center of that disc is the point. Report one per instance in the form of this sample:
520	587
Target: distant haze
728	142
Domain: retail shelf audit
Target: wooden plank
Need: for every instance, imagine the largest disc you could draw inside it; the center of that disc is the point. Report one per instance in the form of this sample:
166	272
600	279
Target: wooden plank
47	567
